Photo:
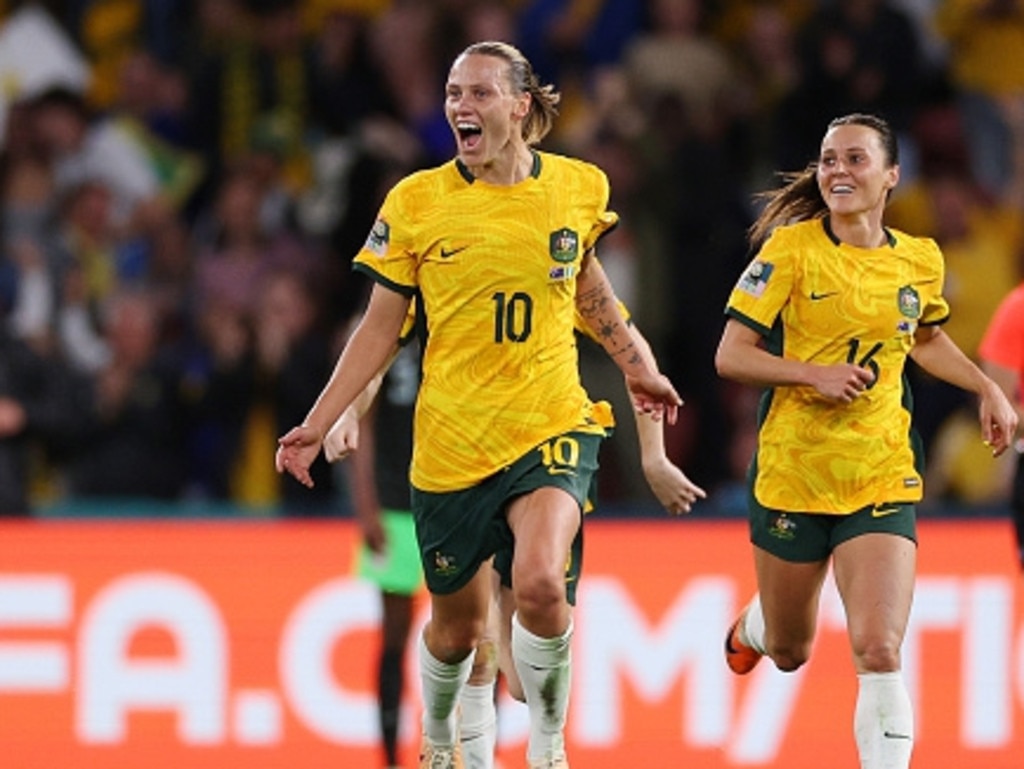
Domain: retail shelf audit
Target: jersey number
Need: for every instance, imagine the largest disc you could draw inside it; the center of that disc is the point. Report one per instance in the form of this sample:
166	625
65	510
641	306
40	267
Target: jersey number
513	317
868	361
561	455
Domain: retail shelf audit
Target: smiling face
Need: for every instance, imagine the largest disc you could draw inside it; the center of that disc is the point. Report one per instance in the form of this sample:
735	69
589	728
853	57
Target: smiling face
855	173
484	112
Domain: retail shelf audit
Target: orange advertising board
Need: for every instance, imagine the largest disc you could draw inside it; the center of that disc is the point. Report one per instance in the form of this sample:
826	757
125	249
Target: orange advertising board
223	644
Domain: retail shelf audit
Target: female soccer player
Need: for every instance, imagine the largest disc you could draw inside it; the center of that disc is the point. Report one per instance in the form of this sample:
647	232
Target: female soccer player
498	243
824	319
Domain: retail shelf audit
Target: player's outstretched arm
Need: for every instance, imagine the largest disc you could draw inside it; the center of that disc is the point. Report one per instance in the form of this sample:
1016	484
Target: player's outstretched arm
364	356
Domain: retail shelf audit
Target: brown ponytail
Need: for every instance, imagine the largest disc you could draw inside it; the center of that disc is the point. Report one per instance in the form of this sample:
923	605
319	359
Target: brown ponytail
543	98
799	198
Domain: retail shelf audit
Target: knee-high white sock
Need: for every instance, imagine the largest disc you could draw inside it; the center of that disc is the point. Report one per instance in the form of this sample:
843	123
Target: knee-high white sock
544	666
478	725
441	686
883	722
752	632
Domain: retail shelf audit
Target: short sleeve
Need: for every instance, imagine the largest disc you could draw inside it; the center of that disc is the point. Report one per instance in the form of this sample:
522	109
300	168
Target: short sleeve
765	286
388	255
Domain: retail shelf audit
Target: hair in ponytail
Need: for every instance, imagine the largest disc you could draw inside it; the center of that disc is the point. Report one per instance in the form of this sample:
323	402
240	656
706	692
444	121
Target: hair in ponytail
799	198
543	98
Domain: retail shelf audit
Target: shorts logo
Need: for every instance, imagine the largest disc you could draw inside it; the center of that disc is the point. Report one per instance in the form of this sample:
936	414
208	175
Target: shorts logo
755	279
564	245
379	237
909	302
556	470
444	564
880	511
783	527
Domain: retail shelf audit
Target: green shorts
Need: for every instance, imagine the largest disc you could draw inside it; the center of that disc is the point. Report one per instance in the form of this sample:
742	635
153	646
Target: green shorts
808	537
459	530
398	569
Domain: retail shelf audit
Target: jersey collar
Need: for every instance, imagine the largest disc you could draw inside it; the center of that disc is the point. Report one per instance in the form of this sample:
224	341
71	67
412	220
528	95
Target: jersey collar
826	222
468	176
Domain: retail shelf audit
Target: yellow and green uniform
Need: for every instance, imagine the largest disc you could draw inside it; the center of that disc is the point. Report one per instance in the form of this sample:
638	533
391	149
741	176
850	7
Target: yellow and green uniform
495	270
818	300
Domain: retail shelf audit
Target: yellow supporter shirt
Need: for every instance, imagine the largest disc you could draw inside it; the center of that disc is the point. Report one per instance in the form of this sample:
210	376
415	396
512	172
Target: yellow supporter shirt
494	268
818	300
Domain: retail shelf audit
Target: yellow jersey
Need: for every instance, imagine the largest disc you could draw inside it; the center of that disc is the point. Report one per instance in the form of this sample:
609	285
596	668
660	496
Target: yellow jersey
494	270
818	300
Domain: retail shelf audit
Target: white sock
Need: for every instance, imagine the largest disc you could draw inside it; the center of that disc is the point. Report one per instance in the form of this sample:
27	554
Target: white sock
752	632
883	721
544	667
478	725
441	685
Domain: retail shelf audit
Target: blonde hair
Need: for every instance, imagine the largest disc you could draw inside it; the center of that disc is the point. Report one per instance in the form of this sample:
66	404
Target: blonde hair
543	98
799	198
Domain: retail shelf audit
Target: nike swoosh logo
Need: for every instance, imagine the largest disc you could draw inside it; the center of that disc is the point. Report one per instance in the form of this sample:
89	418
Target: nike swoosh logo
815	296
448	252
881	512
896	736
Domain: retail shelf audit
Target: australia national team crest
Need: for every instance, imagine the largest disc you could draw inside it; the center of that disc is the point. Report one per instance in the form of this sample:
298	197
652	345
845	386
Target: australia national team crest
564	245
782	527
909	302
377	241
444	565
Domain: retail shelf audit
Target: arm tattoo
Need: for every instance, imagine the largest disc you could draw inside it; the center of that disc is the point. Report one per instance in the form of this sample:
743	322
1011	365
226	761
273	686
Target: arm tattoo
597	308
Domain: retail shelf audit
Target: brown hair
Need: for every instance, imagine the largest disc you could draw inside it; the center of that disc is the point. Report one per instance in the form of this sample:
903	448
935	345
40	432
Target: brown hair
543	98
799	198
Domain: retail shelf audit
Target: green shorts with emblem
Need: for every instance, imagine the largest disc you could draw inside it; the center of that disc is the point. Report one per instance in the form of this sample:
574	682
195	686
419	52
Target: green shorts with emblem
808	537
459	530
397	570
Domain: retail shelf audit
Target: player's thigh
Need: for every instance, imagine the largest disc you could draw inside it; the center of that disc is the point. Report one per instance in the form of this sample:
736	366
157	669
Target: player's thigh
789	593
874	574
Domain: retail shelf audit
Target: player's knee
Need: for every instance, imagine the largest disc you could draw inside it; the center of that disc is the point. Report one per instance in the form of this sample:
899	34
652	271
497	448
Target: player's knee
877	655
540	594
789	657
454	641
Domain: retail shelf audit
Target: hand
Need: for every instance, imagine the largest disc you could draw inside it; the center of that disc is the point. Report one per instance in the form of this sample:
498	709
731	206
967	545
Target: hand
998	419
654	394
842	382
343	437
373	534
296	452
674	490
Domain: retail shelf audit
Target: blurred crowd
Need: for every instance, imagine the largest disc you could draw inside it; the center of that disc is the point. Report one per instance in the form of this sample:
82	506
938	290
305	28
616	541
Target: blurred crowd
184	183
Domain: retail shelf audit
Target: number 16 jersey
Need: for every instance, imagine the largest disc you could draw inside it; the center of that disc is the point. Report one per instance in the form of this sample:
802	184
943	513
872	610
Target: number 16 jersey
819	300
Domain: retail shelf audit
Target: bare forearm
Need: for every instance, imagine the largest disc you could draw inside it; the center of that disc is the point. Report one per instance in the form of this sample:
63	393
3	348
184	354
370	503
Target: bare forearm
937	354
740	359
368	351
599	308
362	476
